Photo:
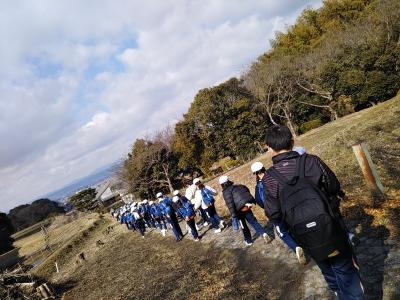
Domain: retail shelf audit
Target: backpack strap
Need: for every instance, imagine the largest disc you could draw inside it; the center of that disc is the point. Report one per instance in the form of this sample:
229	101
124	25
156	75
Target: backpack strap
301	166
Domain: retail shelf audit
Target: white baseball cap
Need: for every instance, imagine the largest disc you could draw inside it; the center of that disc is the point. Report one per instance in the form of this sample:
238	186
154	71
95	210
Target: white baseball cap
145	201
196	180
175	199
223	179
151	202
159	195
175	193
257	166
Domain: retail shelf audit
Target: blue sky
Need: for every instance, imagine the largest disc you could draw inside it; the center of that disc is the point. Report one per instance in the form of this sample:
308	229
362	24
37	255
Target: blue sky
80	80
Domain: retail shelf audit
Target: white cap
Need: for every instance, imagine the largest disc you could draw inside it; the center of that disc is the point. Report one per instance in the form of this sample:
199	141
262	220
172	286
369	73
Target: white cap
257	166
145	201
175	193
196	180
175	199
159	195
151	202
223	179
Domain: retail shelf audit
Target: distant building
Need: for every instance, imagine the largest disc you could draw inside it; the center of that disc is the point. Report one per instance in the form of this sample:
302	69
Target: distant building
107	193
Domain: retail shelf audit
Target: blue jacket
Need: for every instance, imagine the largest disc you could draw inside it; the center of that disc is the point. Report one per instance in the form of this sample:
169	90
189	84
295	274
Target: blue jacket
259	194
186	209
156	211
142	210
208	197
146	208
166	206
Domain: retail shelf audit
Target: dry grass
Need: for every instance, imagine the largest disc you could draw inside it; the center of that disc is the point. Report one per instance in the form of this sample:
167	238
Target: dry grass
159	268
59	233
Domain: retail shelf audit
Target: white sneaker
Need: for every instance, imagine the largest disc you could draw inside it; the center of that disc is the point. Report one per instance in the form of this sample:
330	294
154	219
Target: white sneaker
217	230
205	224
248	244
196	240
301	257
267	238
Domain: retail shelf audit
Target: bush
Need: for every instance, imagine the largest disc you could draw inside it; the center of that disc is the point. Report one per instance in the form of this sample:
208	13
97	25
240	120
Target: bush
307	126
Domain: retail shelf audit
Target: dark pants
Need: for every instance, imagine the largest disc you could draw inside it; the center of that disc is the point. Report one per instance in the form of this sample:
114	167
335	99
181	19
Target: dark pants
284	234
341	274
139	224
149	220
248	216
203	215
160	223
192	224
176	229
213	216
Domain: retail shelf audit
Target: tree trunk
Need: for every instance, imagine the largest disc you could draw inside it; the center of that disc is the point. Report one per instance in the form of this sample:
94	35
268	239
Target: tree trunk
289	123
166	173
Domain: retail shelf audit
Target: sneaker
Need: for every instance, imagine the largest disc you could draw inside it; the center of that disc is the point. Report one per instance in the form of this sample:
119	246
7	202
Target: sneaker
301	257
248	243
267	238
217	230
205	224
196	240
222	224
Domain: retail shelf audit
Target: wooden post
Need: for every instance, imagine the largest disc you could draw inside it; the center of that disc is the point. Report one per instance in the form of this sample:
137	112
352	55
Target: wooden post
368	168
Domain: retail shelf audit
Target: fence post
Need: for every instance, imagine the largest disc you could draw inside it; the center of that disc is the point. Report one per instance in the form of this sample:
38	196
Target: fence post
368	169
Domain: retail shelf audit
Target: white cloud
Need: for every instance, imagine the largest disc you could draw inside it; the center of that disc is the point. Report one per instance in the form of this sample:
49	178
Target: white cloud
80	80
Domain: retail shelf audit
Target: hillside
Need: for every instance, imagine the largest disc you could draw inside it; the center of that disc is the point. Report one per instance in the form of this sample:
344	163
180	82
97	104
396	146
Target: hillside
377	126
120	265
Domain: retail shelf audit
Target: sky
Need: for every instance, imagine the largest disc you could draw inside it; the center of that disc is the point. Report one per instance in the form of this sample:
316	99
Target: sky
81	80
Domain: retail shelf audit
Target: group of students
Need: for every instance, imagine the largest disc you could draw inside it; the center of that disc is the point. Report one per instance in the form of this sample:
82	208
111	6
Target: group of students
300	195
166	212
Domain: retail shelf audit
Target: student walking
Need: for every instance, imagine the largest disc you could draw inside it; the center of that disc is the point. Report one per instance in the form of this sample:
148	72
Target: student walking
281	229
186	210
302	192
158	217
239	202
204	198
190	195
170	215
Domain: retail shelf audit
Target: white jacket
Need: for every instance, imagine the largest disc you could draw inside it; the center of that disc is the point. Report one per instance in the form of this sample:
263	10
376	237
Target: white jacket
198	198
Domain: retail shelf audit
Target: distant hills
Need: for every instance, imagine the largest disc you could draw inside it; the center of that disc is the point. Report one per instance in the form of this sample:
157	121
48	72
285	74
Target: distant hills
94	178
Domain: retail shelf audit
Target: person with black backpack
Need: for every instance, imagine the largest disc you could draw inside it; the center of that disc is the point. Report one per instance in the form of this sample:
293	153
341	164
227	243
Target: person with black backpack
302	192
259	171
239	201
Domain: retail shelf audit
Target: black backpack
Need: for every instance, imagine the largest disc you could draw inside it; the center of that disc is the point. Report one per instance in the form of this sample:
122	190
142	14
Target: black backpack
308	214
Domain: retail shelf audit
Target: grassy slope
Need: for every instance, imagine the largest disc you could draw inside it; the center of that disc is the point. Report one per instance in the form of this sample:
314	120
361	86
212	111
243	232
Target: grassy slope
159	268
378	127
